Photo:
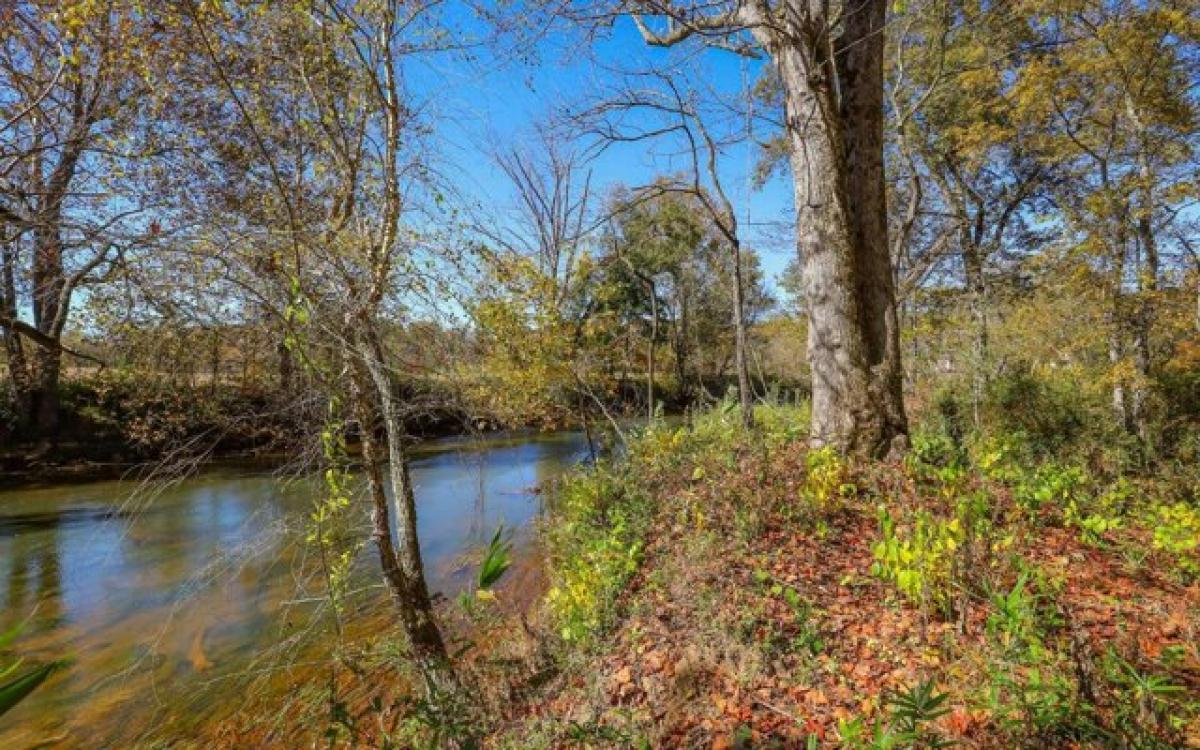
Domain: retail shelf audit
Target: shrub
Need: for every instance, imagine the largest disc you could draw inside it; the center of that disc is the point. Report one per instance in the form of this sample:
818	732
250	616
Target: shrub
1002	457
931	453
1050	413
595	545
1177	532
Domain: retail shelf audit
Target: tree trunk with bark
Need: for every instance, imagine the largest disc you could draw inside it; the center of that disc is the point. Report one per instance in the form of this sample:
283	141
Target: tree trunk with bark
745	397
830	65
403	570
650	349
679	340
835	129
972	255
18	364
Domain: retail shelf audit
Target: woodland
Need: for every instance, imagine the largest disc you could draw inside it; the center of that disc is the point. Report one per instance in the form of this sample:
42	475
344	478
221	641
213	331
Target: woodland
879	320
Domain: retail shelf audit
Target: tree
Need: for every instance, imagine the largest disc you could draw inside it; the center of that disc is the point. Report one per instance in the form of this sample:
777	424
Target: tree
531	306
962	155
1112	97
669	260
676	114
332	150
829	59
661	236
72	94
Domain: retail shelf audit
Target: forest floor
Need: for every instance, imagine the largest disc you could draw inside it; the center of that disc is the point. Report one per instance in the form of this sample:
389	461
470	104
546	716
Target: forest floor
755	621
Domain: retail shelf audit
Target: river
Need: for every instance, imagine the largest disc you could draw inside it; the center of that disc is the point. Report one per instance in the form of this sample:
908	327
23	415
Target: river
161	596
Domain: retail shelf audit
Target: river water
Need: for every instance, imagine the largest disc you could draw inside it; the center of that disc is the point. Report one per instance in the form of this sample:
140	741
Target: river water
162	596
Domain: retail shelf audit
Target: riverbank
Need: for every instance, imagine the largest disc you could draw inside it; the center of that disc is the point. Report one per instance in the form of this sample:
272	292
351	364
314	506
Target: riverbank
717	588
119	424
730	590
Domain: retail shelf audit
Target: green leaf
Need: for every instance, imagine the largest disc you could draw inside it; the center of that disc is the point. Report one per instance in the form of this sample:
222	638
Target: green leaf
11	634
14	691
496	560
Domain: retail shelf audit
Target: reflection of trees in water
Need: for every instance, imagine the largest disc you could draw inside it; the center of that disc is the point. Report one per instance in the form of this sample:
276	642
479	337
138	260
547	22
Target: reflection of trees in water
478	457
34	577
554	454
213	585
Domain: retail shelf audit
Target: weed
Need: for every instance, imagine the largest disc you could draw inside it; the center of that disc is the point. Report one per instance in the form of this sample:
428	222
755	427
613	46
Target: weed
914	710
1014	617
596	543
918	559
911	714
1101	515
827	483
1147	703
1177	532
1050	485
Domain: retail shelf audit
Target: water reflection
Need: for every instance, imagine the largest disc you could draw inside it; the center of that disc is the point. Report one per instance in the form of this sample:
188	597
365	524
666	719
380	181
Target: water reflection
156	591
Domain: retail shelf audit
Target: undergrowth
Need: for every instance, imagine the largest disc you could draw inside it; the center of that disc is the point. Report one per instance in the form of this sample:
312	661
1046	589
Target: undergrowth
1007	594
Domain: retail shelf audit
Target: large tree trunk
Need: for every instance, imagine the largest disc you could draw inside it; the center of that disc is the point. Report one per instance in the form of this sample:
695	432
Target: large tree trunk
835	128
44	404
49	283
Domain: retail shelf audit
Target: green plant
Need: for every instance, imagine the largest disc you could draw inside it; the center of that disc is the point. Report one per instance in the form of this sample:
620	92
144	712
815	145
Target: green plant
1013	620
827	482
1148	699
931	452
329	522
1034	694
808	636
1177	533
908	726
853	734
14	689
1050	485
914	710
1002	457
1100	515
918	558
1050	411
595	543
436	721
496	560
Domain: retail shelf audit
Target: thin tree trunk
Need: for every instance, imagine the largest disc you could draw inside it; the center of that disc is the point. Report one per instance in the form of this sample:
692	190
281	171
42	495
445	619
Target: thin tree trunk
1120	399
1116	344
1145	313
402	567
285	367
745	397
650	351
681	346
215	361
977	300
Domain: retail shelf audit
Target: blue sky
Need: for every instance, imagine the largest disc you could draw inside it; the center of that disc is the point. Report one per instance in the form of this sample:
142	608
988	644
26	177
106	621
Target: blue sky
493	100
